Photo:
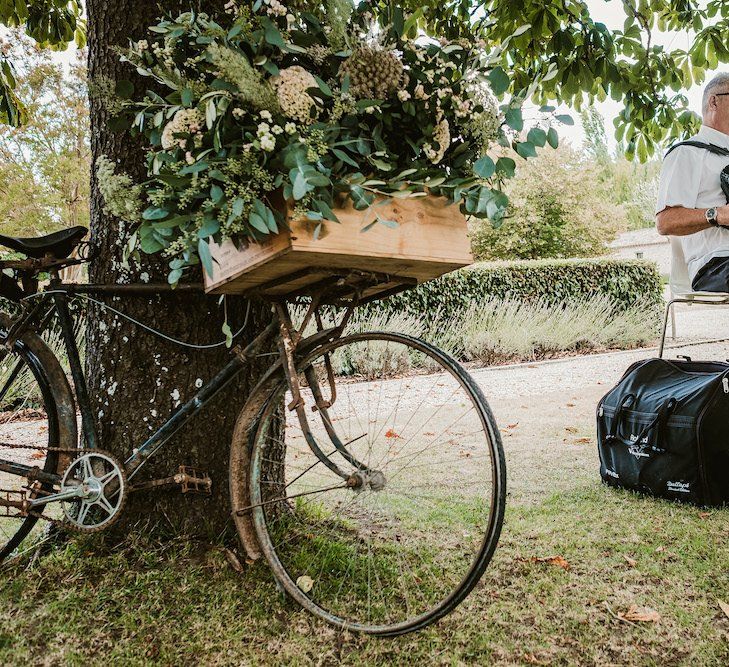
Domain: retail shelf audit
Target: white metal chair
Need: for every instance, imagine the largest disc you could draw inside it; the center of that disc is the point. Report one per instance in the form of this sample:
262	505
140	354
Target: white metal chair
679	284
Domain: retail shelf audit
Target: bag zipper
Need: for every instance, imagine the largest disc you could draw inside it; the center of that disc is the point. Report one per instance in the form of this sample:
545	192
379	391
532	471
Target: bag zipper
680	421
699	448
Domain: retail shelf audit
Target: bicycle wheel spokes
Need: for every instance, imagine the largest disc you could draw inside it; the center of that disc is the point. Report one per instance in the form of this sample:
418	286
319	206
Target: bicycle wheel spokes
407	540
25	406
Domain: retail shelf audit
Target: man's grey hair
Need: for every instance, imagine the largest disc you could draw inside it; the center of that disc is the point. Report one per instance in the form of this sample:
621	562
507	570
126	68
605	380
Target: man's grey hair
719	84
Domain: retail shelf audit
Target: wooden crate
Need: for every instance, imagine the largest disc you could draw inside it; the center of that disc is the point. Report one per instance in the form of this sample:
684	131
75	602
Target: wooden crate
430	240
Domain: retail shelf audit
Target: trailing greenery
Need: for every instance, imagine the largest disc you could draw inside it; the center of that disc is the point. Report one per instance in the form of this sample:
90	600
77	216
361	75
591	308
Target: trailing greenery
335	106
626	282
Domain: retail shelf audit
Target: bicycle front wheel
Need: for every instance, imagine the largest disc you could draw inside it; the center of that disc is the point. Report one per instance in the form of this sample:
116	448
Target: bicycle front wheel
404	539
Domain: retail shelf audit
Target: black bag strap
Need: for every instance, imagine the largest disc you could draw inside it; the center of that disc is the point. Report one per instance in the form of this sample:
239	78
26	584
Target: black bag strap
627	401
660	421
712	148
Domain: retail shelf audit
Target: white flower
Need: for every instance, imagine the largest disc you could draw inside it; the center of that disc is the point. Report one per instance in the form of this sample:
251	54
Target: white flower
189	158
268	142
266	115
238	113
403	95
291	85
442	134
263	128
290	128
420	93
185	121
277	129
275	8
142	44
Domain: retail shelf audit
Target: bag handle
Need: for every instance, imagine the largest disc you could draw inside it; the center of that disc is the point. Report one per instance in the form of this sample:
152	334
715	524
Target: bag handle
660	420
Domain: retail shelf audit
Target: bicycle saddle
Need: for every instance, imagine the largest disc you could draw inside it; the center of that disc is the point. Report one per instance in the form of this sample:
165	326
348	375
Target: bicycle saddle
58	244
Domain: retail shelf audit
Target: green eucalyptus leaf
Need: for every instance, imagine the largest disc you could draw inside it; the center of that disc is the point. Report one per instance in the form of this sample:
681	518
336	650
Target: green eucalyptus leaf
526	149
499	81
506	166
537	136
514	119
552	137
203	250
484	167
154	213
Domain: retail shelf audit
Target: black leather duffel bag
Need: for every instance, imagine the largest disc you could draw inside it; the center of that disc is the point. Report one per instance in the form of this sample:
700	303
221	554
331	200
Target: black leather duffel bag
663	430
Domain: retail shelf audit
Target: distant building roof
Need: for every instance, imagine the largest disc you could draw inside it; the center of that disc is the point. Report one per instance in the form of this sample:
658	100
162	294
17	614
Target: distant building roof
639	237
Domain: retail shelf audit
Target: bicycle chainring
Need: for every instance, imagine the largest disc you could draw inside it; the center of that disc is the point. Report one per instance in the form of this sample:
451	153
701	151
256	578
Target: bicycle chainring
104	492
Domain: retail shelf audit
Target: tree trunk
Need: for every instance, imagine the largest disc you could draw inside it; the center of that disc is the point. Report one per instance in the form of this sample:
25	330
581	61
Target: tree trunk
137	380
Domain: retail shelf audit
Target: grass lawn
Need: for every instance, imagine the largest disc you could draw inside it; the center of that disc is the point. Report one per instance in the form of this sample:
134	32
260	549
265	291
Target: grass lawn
574	556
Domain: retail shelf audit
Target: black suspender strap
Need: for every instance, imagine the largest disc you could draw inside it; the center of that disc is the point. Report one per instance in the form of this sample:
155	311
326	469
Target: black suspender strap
712	148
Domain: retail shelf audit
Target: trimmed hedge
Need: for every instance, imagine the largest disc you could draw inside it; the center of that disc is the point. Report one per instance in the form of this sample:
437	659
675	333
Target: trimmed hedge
625	281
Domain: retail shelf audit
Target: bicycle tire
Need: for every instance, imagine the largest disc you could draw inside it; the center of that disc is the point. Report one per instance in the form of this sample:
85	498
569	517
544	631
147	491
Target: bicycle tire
252	442
60	417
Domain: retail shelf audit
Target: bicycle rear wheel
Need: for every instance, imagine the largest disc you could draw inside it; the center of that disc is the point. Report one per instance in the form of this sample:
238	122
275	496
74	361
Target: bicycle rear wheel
33	388
409	538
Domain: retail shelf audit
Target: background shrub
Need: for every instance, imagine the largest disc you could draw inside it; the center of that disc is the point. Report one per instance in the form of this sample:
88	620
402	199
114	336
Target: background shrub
625	282
558	207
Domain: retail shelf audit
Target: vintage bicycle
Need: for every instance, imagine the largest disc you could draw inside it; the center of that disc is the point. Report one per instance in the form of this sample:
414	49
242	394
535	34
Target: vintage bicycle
365	467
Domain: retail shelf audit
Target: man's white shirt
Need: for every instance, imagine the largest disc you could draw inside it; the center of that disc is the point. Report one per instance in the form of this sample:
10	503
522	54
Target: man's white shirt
690	178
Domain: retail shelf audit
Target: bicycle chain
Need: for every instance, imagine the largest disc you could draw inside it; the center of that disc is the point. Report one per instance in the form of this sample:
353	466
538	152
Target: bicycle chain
39	448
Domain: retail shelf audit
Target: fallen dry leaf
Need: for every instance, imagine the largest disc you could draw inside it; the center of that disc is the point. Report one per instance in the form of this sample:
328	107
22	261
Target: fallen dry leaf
630	561
305	583
571	429
570	405
582	440
724	607
233	561
636	614
512	425
558	561
391	434
704	515
37	455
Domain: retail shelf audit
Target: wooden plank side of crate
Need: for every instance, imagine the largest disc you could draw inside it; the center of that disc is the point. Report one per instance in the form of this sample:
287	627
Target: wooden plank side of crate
230	262
429	230
429	240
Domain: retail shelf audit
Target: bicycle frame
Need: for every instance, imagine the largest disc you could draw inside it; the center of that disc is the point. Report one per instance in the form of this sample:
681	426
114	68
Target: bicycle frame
59	294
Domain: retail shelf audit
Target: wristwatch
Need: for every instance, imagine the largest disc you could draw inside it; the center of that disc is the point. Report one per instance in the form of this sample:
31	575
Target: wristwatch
711	216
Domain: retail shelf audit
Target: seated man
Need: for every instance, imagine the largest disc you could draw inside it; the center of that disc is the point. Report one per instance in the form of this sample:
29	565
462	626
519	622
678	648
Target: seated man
691	202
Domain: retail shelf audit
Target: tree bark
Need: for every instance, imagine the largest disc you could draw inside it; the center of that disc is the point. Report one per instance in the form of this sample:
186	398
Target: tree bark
136	380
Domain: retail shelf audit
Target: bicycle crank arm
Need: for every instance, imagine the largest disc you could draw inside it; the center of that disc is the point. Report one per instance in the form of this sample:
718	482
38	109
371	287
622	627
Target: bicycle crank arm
68	494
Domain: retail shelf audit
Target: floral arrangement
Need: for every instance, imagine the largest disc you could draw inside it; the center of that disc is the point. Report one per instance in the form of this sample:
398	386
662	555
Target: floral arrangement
316	103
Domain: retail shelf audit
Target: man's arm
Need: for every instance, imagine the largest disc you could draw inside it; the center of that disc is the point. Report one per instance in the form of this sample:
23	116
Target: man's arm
680	221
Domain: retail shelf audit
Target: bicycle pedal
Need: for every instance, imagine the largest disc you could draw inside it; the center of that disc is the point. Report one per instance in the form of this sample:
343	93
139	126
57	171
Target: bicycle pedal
192	480
13	500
